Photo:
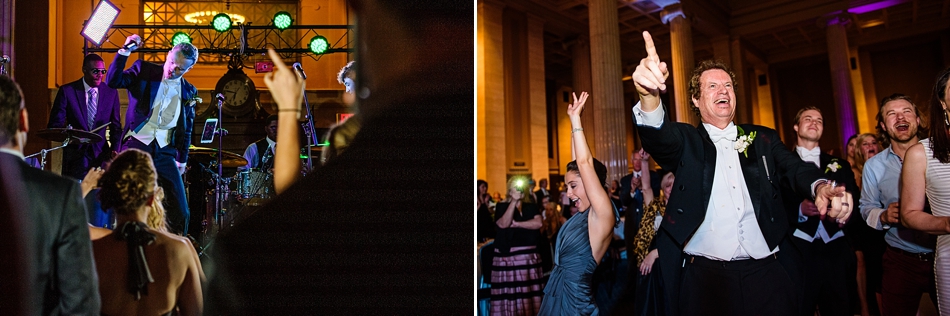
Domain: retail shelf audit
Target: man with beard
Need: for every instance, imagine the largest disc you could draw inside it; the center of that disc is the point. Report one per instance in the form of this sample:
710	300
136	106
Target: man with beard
819	259
908	260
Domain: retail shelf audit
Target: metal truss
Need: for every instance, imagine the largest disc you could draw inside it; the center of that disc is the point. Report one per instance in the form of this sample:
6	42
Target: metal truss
240	41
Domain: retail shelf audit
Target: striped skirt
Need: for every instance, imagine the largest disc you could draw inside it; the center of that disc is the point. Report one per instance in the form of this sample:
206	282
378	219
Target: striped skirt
517	282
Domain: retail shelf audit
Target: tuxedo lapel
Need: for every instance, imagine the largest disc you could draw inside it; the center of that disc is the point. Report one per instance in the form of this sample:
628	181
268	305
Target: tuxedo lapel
709	160
80	92
750	172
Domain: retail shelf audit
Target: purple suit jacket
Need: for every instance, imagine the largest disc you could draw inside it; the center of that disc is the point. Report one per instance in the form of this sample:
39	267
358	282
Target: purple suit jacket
69	108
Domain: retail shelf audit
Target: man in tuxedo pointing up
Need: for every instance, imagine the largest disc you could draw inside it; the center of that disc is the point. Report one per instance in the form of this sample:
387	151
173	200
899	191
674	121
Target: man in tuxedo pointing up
725	217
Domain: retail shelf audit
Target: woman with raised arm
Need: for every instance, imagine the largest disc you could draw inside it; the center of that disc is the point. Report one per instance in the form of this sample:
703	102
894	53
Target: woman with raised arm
926	177
584	238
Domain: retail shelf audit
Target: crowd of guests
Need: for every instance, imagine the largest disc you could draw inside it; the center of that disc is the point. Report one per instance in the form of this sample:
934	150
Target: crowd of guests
759	228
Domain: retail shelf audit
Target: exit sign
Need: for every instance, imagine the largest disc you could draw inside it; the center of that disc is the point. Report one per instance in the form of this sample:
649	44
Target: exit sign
340	117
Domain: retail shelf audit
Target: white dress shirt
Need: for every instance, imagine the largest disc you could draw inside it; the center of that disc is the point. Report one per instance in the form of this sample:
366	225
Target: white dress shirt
813	156
730	230
251	155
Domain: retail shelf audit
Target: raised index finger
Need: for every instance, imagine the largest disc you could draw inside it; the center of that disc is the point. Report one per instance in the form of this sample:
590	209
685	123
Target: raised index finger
278	62
651	48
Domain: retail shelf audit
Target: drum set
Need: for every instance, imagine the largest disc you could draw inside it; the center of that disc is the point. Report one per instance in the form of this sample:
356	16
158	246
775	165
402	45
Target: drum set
224	197
217	197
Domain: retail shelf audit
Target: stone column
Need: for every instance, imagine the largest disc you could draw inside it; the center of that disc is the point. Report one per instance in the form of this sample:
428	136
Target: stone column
537	101
582	82
607	92
836	29
6	30
742	86
681	42
491	97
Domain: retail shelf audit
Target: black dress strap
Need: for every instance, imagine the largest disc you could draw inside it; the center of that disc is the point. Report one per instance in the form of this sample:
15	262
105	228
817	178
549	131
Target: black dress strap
136	236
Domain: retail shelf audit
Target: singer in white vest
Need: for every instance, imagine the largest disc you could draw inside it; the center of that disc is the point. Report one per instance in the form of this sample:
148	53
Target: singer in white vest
160	118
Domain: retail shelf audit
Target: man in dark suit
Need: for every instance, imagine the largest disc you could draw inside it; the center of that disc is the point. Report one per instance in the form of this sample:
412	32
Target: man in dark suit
160	118
819	258
542	190
725	217
63	280
86	104
631	197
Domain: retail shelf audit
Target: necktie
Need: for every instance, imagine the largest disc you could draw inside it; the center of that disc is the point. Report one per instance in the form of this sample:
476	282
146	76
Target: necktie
638	198
91	108
728	134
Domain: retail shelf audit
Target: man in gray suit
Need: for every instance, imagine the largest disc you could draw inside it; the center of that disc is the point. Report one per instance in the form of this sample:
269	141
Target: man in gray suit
63	280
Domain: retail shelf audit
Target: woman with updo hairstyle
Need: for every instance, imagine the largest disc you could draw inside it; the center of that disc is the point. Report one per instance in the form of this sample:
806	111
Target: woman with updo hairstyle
142	271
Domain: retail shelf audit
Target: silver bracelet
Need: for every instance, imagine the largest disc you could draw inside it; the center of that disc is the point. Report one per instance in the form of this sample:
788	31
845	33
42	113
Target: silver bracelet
578	129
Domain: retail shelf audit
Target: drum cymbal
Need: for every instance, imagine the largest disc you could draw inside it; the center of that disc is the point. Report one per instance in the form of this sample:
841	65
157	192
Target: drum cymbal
61	134
228	159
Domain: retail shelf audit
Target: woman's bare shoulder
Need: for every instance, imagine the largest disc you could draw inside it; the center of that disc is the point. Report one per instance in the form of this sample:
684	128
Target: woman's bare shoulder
174	243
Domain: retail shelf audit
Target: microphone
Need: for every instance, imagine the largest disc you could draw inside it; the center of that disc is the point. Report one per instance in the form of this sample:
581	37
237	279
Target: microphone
131	46
4	59
220	98
297	67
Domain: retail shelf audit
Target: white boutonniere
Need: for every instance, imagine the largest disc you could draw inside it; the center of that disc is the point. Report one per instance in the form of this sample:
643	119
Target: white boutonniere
194	100
743	141
833	166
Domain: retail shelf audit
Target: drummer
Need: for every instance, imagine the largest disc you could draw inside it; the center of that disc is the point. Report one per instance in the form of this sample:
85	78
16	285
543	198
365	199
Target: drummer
260	154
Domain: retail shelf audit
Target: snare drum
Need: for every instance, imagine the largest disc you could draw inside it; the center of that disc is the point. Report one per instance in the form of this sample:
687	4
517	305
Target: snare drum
254	183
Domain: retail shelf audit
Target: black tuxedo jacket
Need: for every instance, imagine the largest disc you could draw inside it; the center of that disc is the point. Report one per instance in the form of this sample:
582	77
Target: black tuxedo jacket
843	176
625	188
63	280
688	151
69	108
540	194
142	81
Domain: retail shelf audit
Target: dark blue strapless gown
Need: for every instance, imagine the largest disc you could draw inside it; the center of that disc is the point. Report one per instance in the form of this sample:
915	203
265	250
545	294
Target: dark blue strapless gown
569	291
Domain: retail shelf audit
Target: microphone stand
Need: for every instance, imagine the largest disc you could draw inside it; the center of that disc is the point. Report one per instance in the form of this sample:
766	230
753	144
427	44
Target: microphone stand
218	203
308	126
3	63
310	132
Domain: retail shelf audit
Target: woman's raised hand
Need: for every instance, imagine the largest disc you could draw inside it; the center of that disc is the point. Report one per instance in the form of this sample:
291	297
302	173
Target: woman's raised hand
574	109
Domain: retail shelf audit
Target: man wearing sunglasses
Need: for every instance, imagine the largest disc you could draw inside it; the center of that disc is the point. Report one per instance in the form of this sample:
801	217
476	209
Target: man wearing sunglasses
86	104
160	117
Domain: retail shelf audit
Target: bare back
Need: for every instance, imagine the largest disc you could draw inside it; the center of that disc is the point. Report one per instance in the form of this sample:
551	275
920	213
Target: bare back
173	267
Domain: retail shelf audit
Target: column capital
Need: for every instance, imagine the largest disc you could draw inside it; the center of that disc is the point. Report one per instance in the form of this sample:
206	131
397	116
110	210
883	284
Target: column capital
495	4
834	18
672	11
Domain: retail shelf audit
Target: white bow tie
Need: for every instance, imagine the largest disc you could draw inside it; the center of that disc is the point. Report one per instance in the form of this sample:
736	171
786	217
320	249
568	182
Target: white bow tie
813	154
729	134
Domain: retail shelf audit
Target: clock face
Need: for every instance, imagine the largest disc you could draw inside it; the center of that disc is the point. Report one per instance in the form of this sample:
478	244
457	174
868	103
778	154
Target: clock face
236	92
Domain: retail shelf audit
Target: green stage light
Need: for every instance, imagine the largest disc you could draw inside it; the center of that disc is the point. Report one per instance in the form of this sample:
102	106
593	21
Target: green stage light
282	20
319	44
221	22
180	37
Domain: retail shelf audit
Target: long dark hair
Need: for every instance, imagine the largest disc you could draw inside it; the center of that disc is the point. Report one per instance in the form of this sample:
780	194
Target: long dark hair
939	140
